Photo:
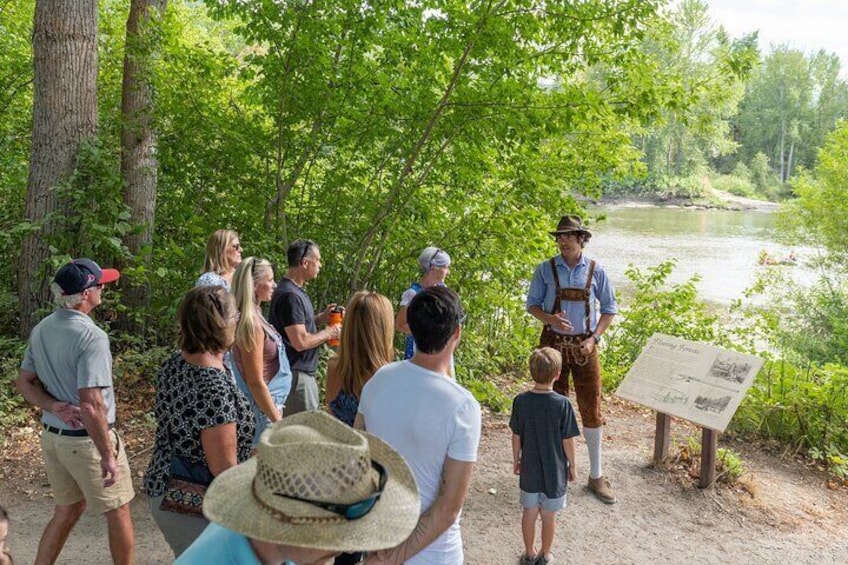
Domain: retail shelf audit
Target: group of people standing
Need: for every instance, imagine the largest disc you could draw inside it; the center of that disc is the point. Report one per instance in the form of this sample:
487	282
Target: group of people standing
237	373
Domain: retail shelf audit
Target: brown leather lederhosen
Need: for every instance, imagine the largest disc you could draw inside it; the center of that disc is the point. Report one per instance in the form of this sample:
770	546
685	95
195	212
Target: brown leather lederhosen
586	369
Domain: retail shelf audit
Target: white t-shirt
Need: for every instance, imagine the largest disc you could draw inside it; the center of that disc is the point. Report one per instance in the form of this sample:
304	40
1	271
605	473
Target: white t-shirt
426	417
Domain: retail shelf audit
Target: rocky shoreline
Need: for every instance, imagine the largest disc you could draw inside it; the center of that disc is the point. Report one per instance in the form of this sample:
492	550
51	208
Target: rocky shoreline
718	201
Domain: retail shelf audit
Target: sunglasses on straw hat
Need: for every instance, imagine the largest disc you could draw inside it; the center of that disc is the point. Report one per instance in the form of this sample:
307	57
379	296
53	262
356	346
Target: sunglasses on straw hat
355	510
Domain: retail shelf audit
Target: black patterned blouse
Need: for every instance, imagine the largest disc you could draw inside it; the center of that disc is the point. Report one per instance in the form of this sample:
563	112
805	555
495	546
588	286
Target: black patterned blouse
190	399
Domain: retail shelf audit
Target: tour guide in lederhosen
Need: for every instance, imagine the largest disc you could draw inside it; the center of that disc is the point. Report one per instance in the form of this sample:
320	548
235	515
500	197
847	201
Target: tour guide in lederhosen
572	295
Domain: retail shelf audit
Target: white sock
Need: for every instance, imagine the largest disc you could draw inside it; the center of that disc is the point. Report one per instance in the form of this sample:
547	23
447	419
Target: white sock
593	437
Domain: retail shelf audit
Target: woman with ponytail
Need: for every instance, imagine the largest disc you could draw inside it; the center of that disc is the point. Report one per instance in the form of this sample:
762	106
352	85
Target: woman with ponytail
258	356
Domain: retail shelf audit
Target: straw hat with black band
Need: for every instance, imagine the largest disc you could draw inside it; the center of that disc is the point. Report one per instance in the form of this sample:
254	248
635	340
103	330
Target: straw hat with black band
306	463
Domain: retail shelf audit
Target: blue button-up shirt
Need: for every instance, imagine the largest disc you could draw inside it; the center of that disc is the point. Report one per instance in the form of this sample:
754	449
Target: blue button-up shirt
543	291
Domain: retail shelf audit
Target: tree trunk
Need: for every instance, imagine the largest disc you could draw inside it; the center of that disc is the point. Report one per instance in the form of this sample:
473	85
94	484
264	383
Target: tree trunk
138	150
789	161
64	43
782	150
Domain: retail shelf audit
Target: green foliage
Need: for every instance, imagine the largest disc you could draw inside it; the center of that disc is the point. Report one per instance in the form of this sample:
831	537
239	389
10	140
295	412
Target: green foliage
137	364
95	217
821	210
656	307
791	103
832	459
804	406
820	335
729	465
13	408
376	132
736	183
16	20
488	394
704	70
765	181
378	129
801	397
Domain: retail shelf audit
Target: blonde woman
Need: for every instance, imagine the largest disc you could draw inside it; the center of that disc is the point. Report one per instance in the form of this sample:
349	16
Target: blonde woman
258	356
223	255
366	344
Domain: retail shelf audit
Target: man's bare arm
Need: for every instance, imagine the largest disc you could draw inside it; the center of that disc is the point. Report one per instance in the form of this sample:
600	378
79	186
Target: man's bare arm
437	519
31	388
591	342
302	340
603	323
93	413
359	422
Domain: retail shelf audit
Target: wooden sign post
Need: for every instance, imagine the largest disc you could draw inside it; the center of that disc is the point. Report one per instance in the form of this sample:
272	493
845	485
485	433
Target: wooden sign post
662	439
692	381
709	448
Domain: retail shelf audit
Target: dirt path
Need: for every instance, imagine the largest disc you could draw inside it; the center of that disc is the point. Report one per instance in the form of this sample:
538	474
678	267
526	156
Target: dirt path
661	516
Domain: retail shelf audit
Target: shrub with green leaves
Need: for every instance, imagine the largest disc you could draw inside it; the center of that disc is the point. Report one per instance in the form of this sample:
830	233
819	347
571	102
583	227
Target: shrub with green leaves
655	307
804	406
737	185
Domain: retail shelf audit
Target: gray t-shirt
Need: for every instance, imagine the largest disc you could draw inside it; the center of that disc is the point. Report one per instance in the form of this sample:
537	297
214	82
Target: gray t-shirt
542	421
69	352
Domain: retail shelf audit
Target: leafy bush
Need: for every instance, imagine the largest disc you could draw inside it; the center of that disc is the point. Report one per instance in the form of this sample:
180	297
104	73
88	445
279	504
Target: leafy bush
806	407
691	186
656	307
764	179
13	408
737	185
729	465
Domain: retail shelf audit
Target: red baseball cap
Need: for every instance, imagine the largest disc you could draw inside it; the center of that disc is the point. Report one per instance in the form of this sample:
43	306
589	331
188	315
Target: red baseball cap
82	274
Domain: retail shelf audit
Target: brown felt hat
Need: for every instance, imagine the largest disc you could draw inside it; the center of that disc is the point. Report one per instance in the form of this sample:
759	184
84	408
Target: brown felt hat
570	224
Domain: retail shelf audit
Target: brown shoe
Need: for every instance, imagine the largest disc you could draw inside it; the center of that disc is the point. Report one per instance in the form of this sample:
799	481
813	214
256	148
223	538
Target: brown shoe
602	489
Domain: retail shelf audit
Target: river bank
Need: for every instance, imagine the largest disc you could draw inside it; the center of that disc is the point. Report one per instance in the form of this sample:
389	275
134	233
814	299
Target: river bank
717	200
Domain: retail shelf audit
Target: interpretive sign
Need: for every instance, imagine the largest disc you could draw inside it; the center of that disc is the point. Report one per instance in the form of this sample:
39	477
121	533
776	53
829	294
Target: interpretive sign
694	381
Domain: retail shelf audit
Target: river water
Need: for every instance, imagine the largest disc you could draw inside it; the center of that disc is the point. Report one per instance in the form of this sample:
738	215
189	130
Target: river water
723	246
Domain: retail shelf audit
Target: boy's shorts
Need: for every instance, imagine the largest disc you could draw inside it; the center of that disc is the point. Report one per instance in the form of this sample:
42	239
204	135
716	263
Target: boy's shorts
531	500
73	469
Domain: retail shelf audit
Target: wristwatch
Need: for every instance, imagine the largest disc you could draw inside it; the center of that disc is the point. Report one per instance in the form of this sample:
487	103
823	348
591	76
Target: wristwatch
597	338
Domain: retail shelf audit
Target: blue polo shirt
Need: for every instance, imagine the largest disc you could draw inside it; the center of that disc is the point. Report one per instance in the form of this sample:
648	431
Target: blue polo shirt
221	546
543	290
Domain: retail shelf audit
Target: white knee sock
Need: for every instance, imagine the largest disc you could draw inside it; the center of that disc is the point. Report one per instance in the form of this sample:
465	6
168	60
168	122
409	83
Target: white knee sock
593	437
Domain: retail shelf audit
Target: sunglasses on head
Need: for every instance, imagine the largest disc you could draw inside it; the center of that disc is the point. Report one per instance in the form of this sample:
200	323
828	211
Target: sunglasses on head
355	510
216	301
306	249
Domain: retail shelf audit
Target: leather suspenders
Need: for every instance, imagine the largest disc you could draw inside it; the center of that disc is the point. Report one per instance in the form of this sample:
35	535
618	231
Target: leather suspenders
574	294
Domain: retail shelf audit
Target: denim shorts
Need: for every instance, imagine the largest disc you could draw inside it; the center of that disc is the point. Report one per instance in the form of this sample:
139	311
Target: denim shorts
531	500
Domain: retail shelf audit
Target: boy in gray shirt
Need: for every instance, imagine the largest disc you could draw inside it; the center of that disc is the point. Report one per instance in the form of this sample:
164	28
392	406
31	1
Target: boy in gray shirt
543	427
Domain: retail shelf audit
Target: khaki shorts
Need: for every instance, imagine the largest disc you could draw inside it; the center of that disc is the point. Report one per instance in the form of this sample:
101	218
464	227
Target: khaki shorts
73	469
